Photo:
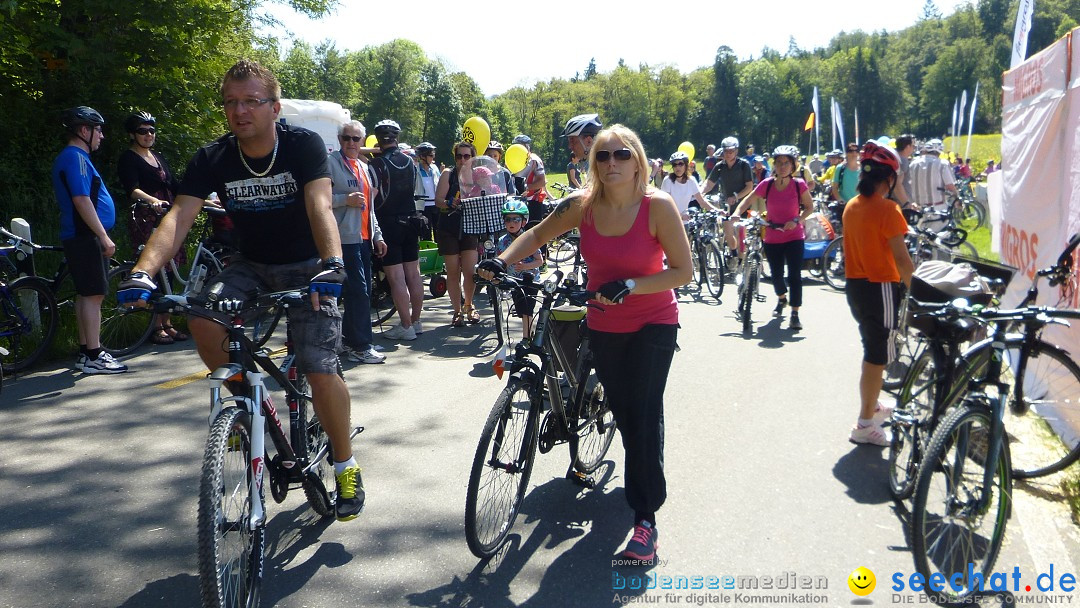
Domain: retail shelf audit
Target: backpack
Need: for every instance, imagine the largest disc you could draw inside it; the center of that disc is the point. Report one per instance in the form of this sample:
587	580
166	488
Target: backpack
939	282
395	181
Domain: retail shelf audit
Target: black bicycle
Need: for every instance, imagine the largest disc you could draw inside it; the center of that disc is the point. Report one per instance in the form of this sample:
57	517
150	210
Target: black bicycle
552	396
707	257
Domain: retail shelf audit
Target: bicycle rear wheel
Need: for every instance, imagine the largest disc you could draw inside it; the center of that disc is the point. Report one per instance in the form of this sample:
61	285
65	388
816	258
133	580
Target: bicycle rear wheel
28	319
1040	425
382	304
318	483
833	261
751	276
562	250
713	269
950	533
230	552
910	426
595	429
123	329
502	466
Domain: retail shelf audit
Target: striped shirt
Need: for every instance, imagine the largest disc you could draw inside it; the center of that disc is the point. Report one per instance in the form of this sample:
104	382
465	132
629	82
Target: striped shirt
929	176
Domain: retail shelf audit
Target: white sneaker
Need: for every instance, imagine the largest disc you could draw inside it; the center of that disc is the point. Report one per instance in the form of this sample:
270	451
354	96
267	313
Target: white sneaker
378	347
417	327
365	356
873	435
882	413
398	332
104	364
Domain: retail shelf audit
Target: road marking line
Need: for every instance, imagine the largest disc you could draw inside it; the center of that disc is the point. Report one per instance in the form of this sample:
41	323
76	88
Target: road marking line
188	379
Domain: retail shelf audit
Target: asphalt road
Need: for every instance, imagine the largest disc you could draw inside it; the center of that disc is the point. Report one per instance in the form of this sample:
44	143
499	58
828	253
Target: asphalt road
98	482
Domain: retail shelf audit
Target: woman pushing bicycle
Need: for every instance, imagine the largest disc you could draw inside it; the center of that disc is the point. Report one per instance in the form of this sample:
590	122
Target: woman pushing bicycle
627	231
787	205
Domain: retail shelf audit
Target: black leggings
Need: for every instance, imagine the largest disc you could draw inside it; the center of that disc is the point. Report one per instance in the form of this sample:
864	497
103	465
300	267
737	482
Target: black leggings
788	254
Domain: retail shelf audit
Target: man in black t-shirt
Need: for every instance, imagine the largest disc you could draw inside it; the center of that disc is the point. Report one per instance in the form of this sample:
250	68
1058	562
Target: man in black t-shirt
274	181
734	177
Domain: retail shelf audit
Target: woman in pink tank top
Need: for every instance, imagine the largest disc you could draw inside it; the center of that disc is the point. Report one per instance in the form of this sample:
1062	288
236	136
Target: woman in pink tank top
628	230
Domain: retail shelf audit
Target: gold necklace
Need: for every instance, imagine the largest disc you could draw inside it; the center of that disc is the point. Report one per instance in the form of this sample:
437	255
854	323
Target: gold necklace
272	158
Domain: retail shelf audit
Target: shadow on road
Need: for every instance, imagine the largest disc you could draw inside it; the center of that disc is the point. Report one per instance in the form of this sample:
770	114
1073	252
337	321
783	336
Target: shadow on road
864	470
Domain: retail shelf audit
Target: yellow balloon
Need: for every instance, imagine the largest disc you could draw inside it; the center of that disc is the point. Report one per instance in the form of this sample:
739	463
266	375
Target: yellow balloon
371	141
517	156
477	132
688	148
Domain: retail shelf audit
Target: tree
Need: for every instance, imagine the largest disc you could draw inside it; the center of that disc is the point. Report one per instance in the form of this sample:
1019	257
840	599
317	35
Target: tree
441	107
590	71
930	11
758	102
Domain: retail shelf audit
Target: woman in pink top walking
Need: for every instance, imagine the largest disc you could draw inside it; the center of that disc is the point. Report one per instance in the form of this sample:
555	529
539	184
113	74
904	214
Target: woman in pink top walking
628	229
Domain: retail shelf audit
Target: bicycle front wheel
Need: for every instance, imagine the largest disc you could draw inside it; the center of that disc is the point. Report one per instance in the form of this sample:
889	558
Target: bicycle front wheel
318	483
502	466
28	320
911	425
907	345
595	430
953	526
1041	423
833	261
123	329
230	551
382	304
713	269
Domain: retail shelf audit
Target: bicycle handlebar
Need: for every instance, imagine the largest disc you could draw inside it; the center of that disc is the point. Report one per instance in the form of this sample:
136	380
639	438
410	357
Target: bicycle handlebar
212	303
17	242
574	294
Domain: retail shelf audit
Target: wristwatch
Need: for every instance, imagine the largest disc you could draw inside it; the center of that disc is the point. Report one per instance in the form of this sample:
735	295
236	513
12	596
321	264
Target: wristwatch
630	284
333	262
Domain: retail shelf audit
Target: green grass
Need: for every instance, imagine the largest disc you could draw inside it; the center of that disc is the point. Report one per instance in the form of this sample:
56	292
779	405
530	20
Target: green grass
983	148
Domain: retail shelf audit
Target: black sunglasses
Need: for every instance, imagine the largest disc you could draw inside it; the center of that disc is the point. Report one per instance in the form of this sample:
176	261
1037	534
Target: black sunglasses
354	138
463	156
146	130
678	163
602	156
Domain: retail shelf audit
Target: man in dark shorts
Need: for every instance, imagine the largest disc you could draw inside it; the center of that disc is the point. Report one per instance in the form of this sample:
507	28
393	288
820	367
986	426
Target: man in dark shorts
274	182
734	177
86	215
395	208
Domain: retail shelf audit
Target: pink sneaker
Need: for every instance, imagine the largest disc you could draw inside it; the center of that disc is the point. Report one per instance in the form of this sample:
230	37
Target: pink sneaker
873	435
882	413
643	544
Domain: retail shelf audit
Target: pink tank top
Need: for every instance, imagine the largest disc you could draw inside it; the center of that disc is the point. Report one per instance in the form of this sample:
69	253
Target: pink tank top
634	254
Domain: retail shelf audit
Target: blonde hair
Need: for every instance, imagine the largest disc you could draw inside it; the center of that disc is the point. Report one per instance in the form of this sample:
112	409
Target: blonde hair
629	139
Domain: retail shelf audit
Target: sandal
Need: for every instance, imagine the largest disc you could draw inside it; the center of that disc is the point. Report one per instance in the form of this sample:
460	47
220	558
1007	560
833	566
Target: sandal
173	333
458	320
160	336
471	315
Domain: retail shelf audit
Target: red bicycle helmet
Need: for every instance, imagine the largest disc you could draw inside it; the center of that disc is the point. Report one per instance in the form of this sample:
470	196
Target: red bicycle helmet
884	155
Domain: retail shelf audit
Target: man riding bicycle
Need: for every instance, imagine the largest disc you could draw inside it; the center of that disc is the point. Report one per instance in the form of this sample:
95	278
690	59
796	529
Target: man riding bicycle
274	181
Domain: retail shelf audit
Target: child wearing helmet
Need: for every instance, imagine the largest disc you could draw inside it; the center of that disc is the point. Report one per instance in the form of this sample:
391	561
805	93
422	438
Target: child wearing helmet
515	215
876	261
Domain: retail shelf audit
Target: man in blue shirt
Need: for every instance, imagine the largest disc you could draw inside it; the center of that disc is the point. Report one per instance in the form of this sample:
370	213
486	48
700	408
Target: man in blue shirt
86	215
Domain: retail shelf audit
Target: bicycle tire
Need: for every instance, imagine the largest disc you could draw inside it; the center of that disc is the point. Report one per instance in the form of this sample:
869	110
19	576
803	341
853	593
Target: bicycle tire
908	346
697	263
230	554
318	483
263	326
971	215
833	264
751	270
1049	391
382	304
123	329
562	250
949	480
28	318
594	429
507	447
713	269
911	426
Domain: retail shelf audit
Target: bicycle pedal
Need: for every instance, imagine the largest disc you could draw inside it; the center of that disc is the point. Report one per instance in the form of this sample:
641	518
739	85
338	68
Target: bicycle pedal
581	479
759	298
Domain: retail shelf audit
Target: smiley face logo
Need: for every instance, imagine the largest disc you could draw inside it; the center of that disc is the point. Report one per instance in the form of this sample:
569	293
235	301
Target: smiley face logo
861	581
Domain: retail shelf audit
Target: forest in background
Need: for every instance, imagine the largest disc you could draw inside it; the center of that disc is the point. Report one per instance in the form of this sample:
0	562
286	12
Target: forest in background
167	57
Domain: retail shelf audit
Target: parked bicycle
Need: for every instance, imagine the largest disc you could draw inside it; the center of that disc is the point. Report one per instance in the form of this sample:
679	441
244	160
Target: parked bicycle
748	277
232	511
963	491
552	373
707	258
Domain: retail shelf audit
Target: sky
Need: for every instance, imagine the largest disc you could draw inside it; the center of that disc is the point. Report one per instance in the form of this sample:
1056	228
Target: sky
519	43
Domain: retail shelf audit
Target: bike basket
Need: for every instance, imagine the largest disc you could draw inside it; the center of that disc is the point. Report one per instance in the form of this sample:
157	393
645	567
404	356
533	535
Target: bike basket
568	328
942	282
482	214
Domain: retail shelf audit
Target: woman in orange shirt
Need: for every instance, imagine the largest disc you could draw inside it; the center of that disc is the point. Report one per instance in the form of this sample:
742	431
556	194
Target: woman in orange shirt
876	261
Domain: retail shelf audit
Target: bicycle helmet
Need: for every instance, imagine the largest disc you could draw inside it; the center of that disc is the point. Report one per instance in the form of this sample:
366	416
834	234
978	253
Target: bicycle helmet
494	145
835	153
583	125
80	116
729	143
425	146
873	152
513	206
387	126
790	151
934	146
683	156
138	119
524	140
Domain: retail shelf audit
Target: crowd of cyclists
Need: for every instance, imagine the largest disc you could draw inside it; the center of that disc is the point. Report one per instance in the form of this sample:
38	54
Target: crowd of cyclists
302	219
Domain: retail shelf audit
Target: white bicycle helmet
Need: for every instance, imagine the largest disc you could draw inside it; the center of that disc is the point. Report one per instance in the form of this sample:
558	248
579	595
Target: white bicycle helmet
582	125
791	151
934	146
730	142
678	156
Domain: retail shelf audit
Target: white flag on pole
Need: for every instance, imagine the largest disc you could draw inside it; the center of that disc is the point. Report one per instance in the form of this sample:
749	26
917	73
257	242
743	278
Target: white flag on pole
1020	33
832	109
817	120
840	125
971	119
952	128
857	139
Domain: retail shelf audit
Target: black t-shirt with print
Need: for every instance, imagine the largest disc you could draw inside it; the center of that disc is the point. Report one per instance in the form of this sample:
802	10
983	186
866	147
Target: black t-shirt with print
732	179
269	213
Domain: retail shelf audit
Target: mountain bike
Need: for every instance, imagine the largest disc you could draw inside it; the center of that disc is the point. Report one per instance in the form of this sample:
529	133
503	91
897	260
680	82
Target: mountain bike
232	512
707	258
552	396
748	279
963	491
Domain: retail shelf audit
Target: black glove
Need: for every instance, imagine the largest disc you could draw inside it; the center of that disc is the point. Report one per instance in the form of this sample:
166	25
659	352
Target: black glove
330	280
137	287
615	291
493	265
